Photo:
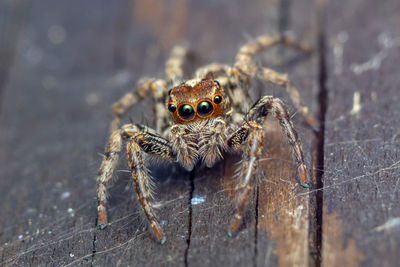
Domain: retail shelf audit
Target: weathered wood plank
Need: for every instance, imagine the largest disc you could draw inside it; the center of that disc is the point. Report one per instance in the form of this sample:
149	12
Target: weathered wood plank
284	206
209	242
361	181
12	16
54	125
73	60
275	230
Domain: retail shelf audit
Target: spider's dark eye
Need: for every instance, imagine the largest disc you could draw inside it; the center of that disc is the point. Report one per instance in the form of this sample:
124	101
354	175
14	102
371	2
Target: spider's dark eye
217	82
204	108
217	99
171	108
186	111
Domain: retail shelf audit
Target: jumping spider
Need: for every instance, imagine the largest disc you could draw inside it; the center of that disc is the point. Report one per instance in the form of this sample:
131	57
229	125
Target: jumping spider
199	120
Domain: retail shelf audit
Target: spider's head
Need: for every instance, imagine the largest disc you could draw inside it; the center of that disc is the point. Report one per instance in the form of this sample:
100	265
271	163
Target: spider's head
197	100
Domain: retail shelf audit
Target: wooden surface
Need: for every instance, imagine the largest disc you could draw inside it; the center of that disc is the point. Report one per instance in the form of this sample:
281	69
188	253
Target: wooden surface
361	212
62	66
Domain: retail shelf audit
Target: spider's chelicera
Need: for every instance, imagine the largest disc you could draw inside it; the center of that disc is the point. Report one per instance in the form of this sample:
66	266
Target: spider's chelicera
200	120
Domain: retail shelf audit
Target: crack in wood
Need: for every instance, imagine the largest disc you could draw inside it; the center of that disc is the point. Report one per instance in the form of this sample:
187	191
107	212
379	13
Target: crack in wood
192	175
94	243
256	227
319	155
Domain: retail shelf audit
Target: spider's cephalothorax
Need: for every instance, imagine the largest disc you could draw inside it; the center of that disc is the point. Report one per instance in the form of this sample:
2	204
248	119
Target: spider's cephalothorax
198	121
197	100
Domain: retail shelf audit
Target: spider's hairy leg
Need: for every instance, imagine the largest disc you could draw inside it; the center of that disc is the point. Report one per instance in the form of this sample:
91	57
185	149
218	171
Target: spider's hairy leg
222	73
269	104
119	108
161	116
280	79
153	144
244	69
184	145
212	71
249	50
174	65
110	159
251	134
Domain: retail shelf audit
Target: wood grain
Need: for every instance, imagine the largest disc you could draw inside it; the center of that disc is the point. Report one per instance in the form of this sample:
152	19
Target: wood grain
361	180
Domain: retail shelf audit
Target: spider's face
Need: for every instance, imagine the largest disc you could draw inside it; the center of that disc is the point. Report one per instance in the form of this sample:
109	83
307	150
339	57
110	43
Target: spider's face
197	100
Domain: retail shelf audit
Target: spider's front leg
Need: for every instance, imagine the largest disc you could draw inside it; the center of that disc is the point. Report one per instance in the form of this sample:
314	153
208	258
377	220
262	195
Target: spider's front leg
251	135
140	139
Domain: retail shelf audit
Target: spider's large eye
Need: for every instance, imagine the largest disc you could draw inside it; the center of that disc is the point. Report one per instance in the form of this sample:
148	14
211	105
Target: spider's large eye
171	107
186	111
204	108
217	99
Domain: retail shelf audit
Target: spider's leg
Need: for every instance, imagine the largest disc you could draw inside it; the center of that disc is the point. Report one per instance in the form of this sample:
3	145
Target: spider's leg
221	73
161	116
174	75
269	104
247	51
153	144
272	76
110	159
244	69
252	134
174	66
119	108
212	71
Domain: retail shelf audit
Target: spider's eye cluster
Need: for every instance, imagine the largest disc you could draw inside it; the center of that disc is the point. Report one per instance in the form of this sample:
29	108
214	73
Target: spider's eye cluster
186	111
204	108
172	108
217	99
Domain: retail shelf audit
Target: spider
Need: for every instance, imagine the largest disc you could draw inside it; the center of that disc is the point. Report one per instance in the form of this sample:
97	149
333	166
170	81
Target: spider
198	121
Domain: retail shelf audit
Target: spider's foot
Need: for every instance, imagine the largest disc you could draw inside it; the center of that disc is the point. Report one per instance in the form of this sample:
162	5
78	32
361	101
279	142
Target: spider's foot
305	184
102	226
158	232
231	233
233	229
316	128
